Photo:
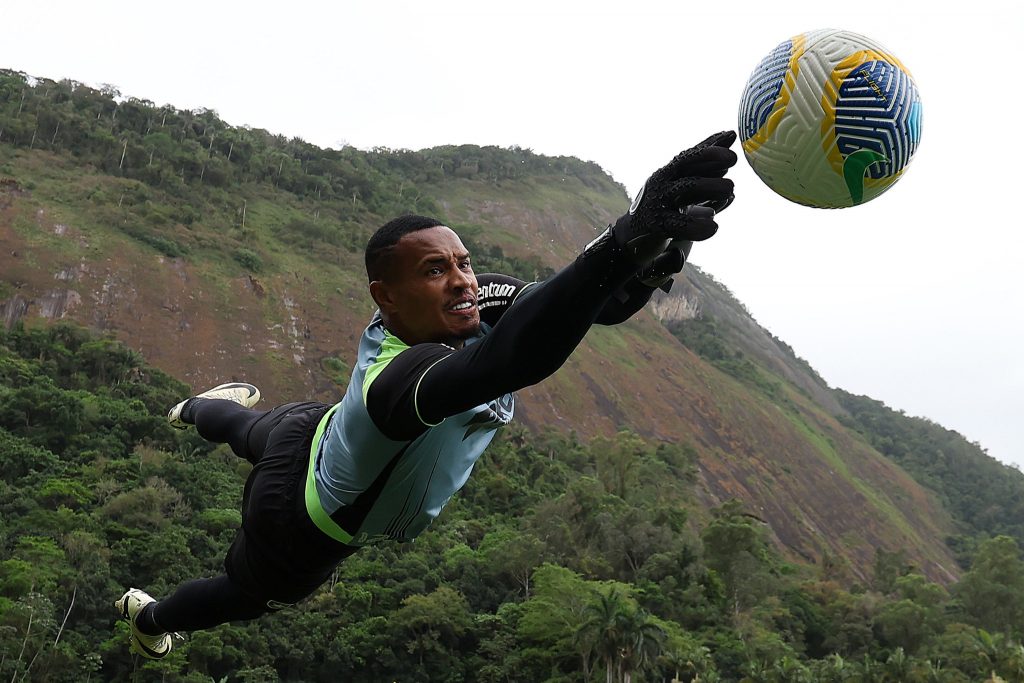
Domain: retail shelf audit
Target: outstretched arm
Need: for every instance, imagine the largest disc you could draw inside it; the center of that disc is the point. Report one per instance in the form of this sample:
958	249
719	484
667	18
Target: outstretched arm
497	293
535	336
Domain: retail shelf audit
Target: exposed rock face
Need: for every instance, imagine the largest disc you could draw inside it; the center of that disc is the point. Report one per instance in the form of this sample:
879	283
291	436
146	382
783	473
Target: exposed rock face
13	310
676	306
56	303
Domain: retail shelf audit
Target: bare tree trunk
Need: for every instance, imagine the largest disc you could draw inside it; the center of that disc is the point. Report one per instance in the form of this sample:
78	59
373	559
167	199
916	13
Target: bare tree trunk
123	152
585	661
28	630
67	614
55	131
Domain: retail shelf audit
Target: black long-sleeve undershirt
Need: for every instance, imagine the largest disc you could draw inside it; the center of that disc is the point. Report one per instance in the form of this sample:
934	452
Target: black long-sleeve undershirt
531	338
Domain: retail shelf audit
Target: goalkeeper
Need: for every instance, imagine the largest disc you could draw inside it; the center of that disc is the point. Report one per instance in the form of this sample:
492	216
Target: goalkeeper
432	382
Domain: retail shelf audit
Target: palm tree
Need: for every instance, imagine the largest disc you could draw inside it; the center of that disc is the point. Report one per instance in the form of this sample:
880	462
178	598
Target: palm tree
642	642
603	629
626	639
1013	662
930	672
756	671
693	661
791	670
898	666
832	669
869	671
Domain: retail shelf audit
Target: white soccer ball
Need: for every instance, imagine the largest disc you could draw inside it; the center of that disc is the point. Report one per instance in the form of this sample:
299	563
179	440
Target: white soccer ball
830	119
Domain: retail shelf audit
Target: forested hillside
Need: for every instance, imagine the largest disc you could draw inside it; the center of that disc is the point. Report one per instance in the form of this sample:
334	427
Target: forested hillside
562	560
686	498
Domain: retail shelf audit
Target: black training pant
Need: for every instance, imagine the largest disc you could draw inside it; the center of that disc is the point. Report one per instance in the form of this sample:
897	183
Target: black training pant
279	556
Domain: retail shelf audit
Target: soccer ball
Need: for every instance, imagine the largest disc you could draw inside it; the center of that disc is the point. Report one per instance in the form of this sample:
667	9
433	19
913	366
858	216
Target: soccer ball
830	119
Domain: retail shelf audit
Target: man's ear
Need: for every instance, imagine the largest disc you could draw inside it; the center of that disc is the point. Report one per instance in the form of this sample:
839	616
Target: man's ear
382	295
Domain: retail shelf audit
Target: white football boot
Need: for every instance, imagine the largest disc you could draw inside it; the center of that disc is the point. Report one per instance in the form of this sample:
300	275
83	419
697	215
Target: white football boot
239	392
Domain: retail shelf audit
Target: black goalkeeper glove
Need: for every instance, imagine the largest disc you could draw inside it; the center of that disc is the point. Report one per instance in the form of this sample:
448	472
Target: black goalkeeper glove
674	208
659	274
679	201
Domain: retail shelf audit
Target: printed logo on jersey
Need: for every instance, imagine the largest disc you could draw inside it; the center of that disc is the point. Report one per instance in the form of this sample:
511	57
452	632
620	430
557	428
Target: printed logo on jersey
497	413
494	294
370	539
495	289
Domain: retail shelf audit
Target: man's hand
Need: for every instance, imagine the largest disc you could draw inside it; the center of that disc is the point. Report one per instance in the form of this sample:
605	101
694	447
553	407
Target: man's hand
659	274
678	202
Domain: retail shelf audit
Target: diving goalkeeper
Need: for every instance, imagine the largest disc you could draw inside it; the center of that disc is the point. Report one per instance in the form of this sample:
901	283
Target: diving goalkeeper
434	378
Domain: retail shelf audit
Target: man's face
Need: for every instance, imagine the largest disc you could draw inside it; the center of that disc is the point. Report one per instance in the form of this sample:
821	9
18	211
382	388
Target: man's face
429	291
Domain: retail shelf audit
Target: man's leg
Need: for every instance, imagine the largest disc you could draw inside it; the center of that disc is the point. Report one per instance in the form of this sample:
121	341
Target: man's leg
244	429
224	415
195	605
200	604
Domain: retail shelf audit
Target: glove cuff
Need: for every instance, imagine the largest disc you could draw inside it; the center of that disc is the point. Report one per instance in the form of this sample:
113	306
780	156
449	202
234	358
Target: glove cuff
640	249
605	262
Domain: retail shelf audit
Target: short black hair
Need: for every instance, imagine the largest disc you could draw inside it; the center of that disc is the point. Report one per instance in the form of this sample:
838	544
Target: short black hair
387	236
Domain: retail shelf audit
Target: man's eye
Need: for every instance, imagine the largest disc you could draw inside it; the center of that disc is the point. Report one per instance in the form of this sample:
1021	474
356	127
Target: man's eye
465	265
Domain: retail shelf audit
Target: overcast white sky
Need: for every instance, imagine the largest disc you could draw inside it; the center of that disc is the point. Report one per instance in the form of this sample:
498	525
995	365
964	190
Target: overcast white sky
914	299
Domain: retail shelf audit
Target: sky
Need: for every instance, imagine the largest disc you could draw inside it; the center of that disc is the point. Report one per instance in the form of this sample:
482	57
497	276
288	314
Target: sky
913	299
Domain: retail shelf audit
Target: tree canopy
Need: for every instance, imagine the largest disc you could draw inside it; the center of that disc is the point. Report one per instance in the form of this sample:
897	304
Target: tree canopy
562	560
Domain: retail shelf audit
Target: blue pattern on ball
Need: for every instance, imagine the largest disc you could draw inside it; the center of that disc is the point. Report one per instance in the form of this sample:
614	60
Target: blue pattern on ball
763	89
878	108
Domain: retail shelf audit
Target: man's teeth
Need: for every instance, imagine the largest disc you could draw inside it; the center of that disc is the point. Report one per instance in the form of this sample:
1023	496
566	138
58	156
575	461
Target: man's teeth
463	306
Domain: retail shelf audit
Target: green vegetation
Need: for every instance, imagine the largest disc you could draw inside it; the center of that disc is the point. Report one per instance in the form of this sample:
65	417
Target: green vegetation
702	336
985	496
562	560
185	184
336	370
194	181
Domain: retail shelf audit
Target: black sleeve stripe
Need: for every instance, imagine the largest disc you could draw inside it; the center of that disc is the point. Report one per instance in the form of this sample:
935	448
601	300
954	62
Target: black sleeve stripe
522	289
416	391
